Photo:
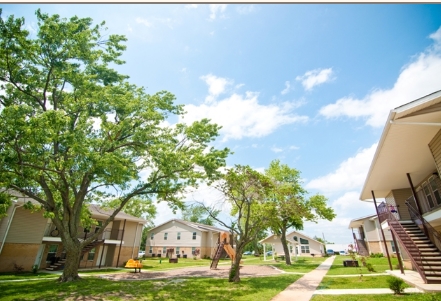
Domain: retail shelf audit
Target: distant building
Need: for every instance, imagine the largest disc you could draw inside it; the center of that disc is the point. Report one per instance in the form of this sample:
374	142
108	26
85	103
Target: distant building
185	238
299	245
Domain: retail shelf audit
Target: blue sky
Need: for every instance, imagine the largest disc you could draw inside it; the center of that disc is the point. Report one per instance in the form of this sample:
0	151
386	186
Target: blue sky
309	84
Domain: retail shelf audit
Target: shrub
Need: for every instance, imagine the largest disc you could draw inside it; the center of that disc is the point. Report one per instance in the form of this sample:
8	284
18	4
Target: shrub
35	269
396	284
370	267
18	268
376	255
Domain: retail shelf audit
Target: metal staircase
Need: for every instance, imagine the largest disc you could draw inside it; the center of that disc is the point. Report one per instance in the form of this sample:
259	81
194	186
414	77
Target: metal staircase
424	254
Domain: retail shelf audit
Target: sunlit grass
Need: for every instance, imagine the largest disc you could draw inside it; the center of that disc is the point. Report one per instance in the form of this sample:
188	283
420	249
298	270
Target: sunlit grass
191	289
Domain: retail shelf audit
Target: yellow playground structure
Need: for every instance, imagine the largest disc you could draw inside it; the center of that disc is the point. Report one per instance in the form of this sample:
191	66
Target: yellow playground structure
224	244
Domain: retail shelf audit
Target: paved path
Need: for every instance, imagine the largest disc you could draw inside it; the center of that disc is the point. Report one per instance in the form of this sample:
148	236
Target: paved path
304	288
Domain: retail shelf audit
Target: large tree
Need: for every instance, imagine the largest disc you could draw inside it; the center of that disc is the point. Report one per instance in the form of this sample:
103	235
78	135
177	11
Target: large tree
245	190
290	207
76	132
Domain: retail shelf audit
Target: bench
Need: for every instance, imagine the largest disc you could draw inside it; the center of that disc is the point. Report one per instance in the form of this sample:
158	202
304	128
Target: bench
136	264
350	263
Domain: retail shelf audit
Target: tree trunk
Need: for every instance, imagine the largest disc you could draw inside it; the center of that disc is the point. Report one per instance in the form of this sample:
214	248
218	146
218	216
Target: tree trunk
70	272
235	268
285	247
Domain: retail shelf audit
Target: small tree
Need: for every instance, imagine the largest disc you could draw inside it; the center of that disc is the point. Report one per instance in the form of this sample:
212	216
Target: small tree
288	207
246	191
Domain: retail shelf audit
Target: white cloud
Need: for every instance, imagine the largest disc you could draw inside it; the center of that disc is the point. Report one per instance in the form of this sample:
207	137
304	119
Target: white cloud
234	114
315	77
143	21
277	149
417	79
216	9
350	175
287	88
293	147
216	85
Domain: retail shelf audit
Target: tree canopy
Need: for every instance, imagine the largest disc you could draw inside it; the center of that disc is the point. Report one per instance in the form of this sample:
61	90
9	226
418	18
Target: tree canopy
197	214
76	132
289	205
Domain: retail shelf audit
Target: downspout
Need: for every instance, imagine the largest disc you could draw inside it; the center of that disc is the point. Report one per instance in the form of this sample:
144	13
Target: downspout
120	244
134	242
9	225
382	232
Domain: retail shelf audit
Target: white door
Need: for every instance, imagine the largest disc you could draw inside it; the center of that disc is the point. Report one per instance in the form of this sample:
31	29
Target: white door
103	260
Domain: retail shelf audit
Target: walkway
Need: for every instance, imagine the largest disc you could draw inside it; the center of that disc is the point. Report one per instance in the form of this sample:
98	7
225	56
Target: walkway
304	288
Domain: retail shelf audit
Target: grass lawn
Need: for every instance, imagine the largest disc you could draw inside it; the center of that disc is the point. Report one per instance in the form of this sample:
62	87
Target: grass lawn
26	275
302	265
380	265
355	282
191	289
391	297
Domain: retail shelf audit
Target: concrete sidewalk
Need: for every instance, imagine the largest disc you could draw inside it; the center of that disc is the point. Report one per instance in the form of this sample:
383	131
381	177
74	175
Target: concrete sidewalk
305	287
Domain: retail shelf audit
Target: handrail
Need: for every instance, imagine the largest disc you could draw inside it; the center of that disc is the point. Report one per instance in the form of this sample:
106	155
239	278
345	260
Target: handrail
408	244
431	233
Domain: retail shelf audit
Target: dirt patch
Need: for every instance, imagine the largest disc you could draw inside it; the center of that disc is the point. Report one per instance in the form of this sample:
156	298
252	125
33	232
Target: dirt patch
220	272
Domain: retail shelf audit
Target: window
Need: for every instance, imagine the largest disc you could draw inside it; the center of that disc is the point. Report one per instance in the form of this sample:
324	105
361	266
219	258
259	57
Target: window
304	242
178	236
295	238
434	186
193	250
165	235
428	195
164	250
194	235
91	255
51	252
290	248
152	235
151	250
393	247
177	250
305	249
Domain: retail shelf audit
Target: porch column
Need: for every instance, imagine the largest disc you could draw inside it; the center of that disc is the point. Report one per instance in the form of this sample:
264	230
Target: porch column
417	201
382	232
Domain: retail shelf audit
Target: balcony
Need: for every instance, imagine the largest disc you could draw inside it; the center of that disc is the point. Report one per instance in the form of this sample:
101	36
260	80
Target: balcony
108	234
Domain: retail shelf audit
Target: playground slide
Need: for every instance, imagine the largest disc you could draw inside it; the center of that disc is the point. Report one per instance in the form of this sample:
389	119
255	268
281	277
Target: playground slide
230	251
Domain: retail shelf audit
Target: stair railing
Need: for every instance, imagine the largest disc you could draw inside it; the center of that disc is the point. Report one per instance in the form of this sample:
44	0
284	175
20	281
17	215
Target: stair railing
406	241
433	235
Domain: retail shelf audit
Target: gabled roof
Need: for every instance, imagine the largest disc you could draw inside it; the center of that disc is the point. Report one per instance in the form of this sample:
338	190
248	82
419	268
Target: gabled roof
357	222
403	147
97	211
287	237
197	226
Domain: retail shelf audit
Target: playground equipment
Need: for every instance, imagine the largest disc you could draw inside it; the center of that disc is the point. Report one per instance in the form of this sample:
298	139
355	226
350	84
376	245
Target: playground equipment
224	244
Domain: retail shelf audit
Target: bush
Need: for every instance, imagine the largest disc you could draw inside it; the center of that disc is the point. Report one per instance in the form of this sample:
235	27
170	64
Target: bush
370	267
396	284
376	255
35	269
